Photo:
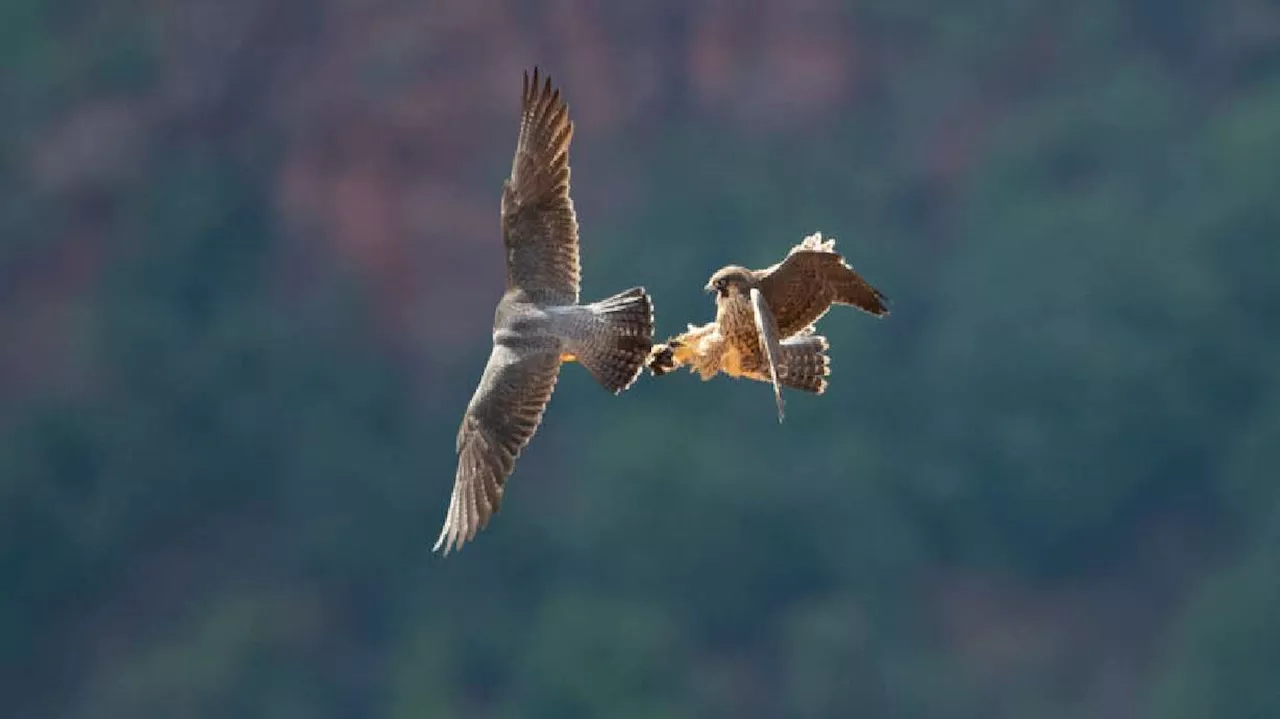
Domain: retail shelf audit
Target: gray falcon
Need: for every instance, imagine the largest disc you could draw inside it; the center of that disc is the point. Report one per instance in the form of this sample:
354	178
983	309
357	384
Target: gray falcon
538	323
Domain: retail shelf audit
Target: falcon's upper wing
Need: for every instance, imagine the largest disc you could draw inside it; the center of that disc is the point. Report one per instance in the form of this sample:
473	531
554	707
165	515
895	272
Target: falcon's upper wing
801	288
500	420
767	328
539	227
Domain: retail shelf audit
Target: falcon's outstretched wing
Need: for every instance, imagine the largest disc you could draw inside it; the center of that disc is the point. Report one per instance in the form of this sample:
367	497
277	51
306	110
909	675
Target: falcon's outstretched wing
539	227
502	417
767	328
801	288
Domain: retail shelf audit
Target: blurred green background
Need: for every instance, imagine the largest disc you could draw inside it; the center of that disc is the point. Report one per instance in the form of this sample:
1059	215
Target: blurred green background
249	255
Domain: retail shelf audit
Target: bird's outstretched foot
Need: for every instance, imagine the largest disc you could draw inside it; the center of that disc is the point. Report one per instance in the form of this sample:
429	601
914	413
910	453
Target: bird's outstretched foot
662	357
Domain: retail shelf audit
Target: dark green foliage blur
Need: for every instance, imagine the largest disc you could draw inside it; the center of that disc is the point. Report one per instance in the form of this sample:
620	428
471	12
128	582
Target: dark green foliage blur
1047	486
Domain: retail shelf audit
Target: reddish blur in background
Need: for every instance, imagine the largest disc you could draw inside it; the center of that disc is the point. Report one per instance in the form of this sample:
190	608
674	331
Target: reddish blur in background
249	255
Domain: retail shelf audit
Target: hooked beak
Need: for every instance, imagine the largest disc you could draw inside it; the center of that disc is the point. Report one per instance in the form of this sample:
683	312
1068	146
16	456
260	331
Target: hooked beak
709	288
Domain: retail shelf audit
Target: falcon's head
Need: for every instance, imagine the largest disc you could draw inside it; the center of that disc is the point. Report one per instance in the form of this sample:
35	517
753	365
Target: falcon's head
732	279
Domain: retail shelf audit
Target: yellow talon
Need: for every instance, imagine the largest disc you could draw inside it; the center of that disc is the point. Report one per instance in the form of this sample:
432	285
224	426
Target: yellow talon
568	357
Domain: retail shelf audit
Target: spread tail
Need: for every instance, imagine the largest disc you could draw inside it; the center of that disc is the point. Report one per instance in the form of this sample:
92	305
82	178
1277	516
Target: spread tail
804	363
617	349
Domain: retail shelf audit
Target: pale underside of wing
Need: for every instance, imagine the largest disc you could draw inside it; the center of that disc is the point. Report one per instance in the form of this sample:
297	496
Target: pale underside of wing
502	417
539	226
767	328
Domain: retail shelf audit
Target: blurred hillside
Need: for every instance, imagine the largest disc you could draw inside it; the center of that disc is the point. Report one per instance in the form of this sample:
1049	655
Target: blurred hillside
249	255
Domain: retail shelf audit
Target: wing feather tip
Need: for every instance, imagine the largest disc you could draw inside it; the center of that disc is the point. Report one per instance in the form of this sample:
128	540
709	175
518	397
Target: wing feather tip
767	330
445	533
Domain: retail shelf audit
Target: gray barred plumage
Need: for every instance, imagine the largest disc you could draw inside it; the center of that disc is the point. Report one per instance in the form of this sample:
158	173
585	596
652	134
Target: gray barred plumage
538	323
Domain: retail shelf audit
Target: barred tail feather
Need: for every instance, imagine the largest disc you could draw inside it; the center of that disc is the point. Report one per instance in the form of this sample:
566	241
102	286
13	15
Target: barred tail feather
805	365
617	351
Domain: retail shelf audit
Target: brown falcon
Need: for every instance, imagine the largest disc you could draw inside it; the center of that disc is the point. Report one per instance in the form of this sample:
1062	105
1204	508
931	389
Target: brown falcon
539	323
764	320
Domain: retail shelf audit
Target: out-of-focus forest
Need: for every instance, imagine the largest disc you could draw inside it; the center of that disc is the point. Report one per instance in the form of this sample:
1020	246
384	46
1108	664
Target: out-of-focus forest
249	255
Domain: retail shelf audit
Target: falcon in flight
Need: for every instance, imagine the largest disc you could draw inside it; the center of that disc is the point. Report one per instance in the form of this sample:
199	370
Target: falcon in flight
764	321
539	323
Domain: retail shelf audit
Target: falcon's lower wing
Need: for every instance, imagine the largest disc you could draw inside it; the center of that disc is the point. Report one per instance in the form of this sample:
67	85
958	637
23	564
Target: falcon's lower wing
502	417
767	327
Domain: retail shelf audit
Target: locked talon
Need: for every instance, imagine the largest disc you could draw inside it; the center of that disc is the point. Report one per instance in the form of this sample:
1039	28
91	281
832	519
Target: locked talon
661	360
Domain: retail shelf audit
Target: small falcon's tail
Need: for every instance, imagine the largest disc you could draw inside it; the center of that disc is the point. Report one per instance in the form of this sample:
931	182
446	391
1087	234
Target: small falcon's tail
617	349
804	363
